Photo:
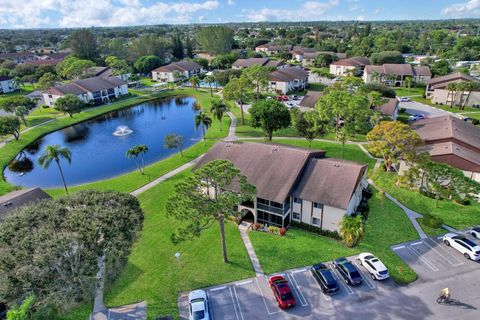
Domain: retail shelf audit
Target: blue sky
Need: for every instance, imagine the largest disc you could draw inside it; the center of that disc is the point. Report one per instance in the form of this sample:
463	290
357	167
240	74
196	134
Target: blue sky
85	13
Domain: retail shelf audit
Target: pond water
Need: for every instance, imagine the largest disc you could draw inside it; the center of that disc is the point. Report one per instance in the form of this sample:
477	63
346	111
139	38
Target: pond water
98	146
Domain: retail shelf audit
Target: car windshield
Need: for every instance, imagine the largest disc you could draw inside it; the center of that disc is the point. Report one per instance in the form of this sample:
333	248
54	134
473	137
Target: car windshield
469	242
198	315
383	272
330	281
287	296
354	274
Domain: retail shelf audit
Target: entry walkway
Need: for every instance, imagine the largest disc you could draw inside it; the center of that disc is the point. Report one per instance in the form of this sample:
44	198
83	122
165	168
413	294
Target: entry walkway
243	228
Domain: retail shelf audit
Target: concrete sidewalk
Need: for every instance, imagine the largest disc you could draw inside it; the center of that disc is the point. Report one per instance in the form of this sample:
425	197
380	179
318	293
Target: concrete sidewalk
243	228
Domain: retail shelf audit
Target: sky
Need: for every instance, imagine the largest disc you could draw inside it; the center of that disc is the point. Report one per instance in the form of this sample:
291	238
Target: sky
87	13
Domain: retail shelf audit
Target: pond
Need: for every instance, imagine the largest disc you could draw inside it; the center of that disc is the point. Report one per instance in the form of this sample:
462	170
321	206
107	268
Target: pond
98	146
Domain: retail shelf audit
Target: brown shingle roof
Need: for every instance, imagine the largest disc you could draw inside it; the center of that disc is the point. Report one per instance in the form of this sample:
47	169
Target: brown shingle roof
180	66
310	99
352	62
422	71
443	81
87	85
452	148
274	63
274	170
18	198
389	107
246	63
330	181
401	69
288	74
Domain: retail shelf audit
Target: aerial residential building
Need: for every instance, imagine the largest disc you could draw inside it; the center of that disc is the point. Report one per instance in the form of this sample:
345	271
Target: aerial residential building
294	184
394	74
288	79
92	90
176	71
437	91
452	141
272	49
246	63
6	84
307	56
310	100
351	66
389	108
18	57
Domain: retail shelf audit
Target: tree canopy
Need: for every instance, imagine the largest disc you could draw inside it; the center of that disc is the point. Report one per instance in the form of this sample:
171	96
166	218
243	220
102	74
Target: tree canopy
146	64
387	57
10	103
69	104
270	116
215	39
10	125
84	45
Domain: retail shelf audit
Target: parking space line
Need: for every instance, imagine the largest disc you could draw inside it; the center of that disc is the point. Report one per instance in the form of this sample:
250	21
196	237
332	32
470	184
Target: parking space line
459	262
428	263
365	278
298	271
218	288
244	282
325	296
398	248
416	243
264	300
339	279
291	278
238	301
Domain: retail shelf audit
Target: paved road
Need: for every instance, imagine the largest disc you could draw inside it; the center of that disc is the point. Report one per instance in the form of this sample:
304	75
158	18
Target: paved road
414	107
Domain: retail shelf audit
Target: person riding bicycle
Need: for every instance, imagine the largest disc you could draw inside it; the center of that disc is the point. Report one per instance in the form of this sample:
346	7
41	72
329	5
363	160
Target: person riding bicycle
445	294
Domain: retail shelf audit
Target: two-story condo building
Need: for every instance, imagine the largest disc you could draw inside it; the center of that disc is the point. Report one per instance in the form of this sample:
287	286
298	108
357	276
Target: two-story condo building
176	71
307	56
271	49
437	91
266	62
287	79
6	84
92	90
394	74
294	184
351	66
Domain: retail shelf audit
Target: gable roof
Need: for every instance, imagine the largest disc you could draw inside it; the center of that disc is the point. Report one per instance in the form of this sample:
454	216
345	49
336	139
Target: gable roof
399	69
274	170
452	148
352	62
19	198
331	182
274	63
443	81
246	63
389	107
275	47
180	66
288	74
87	85
310	99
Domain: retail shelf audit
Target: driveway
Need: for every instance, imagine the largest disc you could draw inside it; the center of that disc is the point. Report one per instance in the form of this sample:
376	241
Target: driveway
414	107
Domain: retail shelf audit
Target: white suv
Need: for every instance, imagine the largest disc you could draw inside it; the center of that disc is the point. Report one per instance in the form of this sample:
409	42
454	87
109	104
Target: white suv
374	266
470	249
198	305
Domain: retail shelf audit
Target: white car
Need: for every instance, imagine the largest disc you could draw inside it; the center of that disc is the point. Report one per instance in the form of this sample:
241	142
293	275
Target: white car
374	266
468	248
198	305
404	99
474	232
416	117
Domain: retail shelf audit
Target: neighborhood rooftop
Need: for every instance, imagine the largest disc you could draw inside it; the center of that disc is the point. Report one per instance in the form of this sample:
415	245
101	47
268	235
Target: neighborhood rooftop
352	62
288	74
87	85
310	99
180	66
443	81
399	69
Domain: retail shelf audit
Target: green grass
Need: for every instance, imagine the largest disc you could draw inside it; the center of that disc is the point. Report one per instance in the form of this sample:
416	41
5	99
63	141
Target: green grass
387	225
316	87
131	180
152	272
432	232
454	215
147	82
405	92
352	152
26	89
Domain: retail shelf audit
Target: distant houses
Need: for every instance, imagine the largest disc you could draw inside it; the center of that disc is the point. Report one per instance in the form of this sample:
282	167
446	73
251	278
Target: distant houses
390	108
33	58
266	62
307	56
394	74
351	66
176	71
6	84
287	79
95	90
309	100
272	49
438	92
18	57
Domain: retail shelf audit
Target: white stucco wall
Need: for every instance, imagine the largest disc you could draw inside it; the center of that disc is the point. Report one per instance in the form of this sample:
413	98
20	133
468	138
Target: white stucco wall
6	86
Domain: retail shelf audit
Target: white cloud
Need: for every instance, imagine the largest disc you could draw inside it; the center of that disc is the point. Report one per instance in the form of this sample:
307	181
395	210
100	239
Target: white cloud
377	11
464	9
310	10
67	13
230	2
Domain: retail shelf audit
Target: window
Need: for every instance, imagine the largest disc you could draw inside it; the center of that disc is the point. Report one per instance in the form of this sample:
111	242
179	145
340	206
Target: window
297	200
296	216
315	221
318	205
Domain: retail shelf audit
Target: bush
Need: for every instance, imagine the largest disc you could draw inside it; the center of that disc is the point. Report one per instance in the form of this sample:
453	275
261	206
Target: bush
403	110
326	233
273	229
282	231
385	90
257	226
432	221
352	230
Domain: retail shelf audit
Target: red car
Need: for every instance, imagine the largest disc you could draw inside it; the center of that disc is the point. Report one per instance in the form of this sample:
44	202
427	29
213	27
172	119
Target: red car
282	292
281	98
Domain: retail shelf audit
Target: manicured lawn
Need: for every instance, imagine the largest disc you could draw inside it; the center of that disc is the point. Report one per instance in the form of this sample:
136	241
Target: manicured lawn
316	87
352	152
405	92
454	215
432	232
9	151
152	272
386	225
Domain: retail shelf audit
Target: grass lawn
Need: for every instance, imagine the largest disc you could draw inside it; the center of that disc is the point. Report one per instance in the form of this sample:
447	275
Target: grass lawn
387	225
405	92
147	82
152	272
26	89
334	150
131	181
454	215
432	232
316	87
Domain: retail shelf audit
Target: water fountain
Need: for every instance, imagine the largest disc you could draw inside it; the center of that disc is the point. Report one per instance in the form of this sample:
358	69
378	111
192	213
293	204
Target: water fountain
122	131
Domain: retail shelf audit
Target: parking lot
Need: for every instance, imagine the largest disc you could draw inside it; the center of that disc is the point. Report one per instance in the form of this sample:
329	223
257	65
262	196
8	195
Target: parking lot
437	266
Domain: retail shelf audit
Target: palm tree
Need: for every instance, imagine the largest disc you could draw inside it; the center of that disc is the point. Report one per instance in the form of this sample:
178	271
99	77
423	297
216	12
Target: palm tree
452	89
22	111
54	153
17	83
218	108
469	87
375	76
201	119
210	79
135	152
194	81
408	82
351	230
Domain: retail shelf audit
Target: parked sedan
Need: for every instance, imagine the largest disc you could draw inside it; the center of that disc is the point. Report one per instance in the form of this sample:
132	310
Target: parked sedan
416	117
404	99
374	266
198	305
325	279
282	292
468	248
474	232
348	271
